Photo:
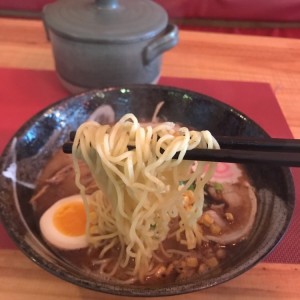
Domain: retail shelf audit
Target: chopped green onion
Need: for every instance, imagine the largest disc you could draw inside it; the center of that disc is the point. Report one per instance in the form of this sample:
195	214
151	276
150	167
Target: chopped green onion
218	187
192	187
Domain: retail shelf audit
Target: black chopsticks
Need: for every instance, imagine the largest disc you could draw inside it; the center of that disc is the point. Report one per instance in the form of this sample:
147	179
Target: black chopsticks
284	152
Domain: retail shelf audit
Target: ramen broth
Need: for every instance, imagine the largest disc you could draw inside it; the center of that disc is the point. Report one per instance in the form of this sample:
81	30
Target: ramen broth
229	206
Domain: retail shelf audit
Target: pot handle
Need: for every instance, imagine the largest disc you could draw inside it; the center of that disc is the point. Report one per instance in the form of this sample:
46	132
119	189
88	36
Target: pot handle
165	41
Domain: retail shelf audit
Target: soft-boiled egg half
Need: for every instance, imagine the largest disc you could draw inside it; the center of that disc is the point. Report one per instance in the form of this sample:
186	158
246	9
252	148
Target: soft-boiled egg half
63	224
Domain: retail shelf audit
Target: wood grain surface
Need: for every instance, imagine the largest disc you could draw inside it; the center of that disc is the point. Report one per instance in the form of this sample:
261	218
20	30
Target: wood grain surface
23	44
21	279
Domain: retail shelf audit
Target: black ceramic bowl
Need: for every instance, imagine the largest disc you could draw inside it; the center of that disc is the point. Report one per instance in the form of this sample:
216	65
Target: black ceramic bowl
40	137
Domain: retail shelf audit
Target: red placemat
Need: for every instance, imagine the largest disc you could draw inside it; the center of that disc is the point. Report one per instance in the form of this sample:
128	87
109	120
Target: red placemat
25	92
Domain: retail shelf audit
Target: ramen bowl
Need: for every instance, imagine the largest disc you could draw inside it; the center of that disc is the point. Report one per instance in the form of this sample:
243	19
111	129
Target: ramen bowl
37	140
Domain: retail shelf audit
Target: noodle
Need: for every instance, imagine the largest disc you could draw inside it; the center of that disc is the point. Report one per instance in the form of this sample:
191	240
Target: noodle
139	189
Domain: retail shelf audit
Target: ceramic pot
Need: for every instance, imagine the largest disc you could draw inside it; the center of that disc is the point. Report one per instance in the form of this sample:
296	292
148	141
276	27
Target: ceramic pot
108	42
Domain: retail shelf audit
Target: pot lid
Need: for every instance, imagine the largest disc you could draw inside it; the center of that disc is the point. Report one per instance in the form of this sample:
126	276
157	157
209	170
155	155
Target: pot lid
105	20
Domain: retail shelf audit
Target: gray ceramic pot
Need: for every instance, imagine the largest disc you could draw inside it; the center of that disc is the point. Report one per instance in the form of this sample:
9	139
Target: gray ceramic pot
108	42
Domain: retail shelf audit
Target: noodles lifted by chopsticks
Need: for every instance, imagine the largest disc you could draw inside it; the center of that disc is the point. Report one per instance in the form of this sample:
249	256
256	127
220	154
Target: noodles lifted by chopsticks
141	190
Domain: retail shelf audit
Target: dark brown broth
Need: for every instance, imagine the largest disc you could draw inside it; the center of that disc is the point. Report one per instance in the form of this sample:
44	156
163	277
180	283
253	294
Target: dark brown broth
57	181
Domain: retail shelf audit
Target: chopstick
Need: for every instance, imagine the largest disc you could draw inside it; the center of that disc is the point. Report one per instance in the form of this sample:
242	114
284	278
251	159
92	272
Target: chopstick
284	152
291	159
248	143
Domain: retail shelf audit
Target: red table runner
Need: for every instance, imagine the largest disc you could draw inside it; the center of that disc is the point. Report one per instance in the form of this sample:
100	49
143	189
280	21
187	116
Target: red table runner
25	92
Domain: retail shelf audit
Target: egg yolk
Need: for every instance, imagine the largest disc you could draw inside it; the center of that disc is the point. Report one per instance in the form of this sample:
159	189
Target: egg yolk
70	219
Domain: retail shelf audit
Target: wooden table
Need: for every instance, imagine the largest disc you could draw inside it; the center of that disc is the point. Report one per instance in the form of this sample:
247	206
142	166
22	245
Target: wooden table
210	56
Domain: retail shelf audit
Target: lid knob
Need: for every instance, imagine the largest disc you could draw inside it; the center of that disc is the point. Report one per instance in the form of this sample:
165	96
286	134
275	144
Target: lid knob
108	4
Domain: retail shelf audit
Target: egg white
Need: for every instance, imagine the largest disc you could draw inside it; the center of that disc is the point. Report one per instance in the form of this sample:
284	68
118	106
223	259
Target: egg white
53	236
